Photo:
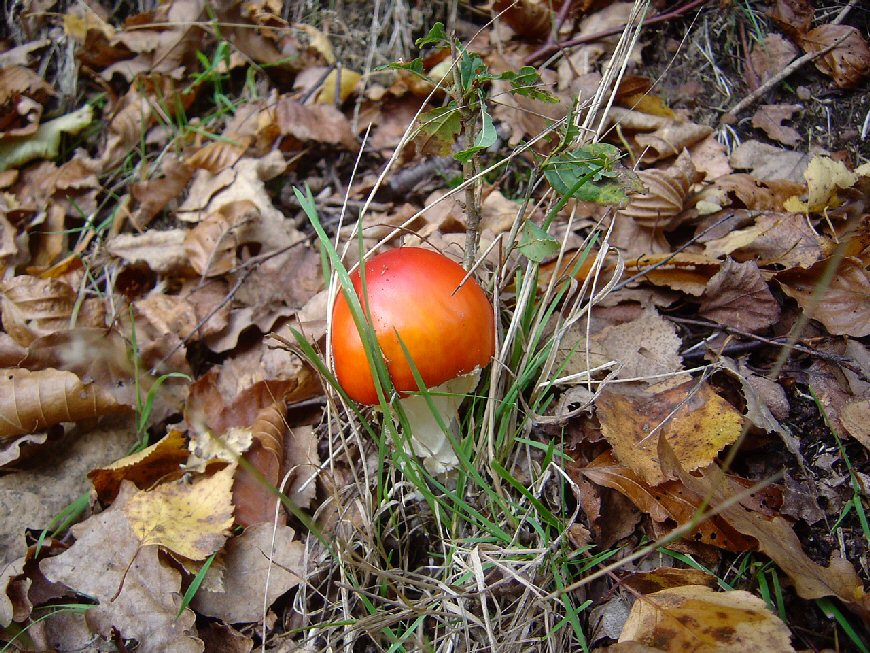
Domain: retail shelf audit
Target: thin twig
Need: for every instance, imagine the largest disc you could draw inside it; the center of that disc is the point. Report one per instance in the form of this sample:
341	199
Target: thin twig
551	48
731	115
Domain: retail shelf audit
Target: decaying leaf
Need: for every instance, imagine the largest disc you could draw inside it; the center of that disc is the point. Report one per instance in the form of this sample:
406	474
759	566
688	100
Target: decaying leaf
738	296
262	552
769	117
848	62
843	307
697	618
136	592
693	419
159	462
190	519
32	401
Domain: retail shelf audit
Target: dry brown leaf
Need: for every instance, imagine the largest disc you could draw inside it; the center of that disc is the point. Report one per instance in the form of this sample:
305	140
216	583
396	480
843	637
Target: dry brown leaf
190	519
843	308
670	140
662	578
795	17
261	557
691	417
661	205
161	461
137	593
216	155
767	58
34	307
688	273
769	162
131	118
696	619
531	18
211	245
255	502
302	462
855	418
848	62
646	346
154	194
769	118
775	239
777	539
667	501
305	123
738	296
162	251
33	401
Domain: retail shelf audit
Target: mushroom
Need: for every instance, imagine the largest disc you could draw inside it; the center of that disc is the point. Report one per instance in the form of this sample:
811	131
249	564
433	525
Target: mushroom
414	295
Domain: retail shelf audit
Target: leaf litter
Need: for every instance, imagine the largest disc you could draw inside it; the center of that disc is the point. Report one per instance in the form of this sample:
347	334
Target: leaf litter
150	243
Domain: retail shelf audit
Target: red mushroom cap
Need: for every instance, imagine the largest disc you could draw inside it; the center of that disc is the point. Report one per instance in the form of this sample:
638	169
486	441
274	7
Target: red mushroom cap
413	292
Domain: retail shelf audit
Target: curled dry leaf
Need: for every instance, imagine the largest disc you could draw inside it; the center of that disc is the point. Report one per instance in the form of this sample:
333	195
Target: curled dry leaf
254	501
696	422
162	251
775	239
33	401
211	245
662	203
153	195
668	501
216	155
776	538
843	308
738	296
698	618
161	461
688	273
33	307
303	123
848	62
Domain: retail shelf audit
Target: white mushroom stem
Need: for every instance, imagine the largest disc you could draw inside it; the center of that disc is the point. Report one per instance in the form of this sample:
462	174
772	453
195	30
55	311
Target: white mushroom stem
428	440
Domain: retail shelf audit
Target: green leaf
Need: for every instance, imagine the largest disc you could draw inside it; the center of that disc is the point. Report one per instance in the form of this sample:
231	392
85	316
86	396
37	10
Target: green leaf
536	244
590	174
415	67
471	69
485	138
436	36
526	81
441	125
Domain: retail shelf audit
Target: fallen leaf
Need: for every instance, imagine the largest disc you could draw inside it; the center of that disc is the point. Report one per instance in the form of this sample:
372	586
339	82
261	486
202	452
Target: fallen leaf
695	421
44	142
843	307
769	118
738	296
824	176
190	519
211	245
767	58
661	205
696	618
137	593
647	582
264	560
162	251
303	123
343	89
795	17
848	62
777	539
855	417
254	501
34	307
161	461
769	162
33	401
154	194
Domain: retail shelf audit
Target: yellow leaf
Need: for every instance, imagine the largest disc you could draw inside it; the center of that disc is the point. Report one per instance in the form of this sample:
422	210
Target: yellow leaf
824	176
695	618
651	104
348	83
696	422
189	519
318	41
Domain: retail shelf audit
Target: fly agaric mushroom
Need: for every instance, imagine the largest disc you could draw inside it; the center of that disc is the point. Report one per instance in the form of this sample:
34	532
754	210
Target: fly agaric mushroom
414	295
